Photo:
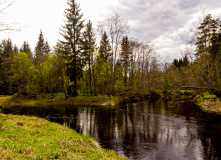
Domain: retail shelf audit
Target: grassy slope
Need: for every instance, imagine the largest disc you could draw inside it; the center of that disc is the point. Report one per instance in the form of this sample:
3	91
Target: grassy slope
23	137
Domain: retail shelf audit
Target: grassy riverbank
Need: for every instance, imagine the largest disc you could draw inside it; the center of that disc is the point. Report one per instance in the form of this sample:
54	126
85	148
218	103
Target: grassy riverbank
57	98
209	103
23	137
206	101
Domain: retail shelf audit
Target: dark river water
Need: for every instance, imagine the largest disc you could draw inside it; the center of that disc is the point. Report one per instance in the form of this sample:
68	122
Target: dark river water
150	130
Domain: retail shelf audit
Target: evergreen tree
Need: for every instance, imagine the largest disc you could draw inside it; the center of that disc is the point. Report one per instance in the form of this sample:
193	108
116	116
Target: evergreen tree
7	85
15	49
125	56
39	50
207	29
88	50
26	48
176	63
105	48
72	44
46	48
185	61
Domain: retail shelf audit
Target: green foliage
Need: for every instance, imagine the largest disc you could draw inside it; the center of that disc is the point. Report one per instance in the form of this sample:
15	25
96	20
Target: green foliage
103	75
20	67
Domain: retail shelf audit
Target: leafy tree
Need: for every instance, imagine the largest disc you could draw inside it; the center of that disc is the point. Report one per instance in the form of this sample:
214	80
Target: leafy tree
103	76
115	27
72	44
20	67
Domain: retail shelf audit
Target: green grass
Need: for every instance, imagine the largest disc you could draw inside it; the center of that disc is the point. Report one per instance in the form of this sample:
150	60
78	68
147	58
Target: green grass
23	137
209	96
209	103
4	98
60	98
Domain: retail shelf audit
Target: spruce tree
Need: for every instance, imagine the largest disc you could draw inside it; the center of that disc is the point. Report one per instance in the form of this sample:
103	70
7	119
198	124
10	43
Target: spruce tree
46	48
39	50
7	85
88	50
125	56
26	48
72	44
105	48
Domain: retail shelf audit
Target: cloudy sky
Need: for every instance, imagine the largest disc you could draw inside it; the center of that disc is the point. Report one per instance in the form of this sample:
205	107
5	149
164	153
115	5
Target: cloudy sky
166	23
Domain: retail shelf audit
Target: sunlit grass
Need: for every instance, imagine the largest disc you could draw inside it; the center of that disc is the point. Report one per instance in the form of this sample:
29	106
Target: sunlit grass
24	137
60	98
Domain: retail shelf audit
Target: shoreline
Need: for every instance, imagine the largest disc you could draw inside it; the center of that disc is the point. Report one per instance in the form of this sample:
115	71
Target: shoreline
207	102
27	137
58	99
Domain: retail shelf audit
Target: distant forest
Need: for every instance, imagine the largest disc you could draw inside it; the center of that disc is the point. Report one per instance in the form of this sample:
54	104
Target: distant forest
117	64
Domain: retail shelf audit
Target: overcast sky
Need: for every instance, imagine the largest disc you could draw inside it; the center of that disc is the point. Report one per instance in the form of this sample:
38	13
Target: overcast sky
164	22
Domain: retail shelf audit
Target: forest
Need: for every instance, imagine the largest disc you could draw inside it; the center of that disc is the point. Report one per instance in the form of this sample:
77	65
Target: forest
105	61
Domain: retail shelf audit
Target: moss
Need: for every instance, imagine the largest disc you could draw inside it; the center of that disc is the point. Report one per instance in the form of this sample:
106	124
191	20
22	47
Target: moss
37	138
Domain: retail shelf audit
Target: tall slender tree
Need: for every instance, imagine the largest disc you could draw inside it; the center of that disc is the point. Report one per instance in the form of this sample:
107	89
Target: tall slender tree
88	50
125	56
72	44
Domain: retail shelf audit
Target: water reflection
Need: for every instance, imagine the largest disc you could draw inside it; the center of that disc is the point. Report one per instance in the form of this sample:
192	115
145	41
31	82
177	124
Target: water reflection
152	130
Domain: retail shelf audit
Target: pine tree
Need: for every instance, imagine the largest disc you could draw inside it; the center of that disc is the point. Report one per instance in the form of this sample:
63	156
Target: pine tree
88	50
207	29
46	48
185	61
72	44
39	50
26	48
125	56
15	49
6	75
105	48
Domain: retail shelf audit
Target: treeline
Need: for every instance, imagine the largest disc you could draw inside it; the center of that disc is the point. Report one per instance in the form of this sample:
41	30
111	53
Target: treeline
117	64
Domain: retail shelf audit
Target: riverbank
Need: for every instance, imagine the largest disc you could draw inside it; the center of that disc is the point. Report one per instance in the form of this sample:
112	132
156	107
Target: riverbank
23	137
57	99
208	102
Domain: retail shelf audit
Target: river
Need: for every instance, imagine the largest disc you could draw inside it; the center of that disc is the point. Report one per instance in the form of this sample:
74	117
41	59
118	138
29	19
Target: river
146	130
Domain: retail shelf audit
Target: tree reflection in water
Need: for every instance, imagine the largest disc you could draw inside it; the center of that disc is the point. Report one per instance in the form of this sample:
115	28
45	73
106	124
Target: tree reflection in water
151	130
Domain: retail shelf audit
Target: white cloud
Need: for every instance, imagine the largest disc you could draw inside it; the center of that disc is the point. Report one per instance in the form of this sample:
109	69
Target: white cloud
165	22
